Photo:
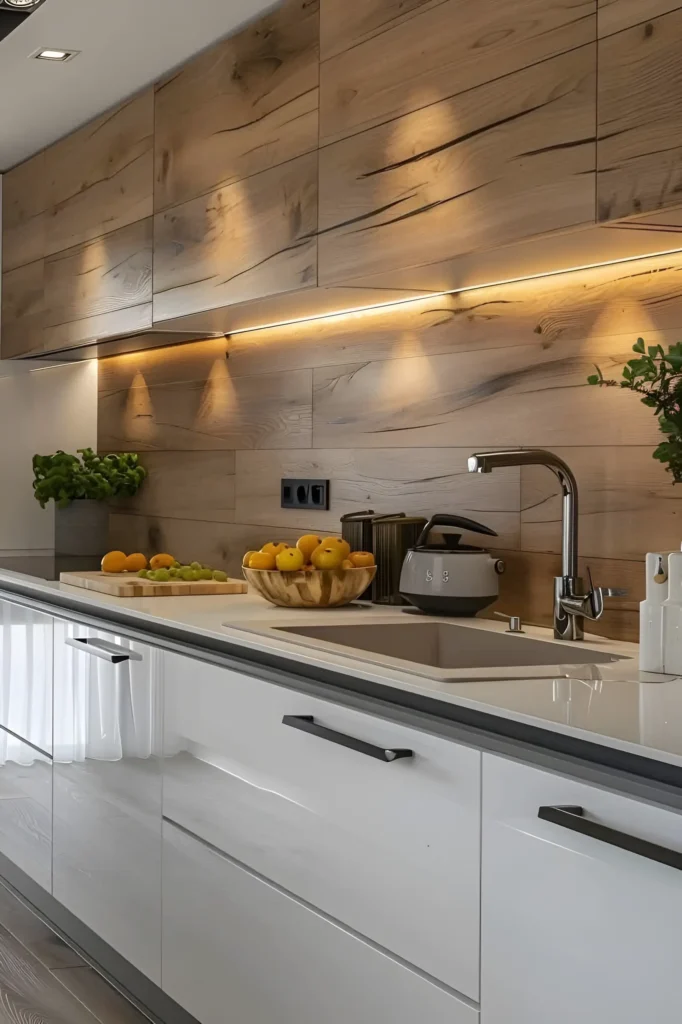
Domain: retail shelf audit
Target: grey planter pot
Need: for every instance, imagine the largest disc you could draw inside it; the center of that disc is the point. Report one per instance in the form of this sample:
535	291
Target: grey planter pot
82	528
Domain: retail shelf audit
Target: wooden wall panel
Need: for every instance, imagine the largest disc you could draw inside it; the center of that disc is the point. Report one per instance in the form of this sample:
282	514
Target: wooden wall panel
253	238
100	178
639	153
24	213
615	15
23	309
418	482
221	545
218	412
527	395
196	485
628	504
100	277
386	59
243	106
499	163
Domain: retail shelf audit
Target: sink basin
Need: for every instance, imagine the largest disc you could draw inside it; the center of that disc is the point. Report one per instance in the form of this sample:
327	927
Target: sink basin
446	645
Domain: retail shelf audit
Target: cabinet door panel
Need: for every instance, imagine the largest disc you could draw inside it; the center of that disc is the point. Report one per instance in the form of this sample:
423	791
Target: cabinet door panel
511	159
250	239
573	928
26	808
327	823
387	58
230	940
24	213
95	286
107	792
243	106
23	310
26	674
640	119
100	177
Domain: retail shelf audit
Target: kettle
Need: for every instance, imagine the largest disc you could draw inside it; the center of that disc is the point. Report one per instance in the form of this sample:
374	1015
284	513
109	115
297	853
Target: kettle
450	578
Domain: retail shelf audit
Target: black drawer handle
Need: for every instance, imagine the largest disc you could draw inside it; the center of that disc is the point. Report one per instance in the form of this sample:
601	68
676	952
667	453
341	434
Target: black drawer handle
574	819
306	723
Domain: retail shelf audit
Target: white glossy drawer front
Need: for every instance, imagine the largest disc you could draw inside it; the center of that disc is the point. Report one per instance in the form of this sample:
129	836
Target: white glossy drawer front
26	674
575	928
236	948
390	848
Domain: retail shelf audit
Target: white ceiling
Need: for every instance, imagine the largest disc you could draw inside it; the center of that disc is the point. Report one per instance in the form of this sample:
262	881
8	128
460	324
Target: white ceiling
124	44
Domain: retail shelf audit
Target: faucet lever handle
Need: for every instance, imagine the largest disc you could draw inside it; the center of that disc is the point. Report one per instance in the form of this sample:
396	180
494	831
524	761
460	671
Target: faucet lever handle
614	591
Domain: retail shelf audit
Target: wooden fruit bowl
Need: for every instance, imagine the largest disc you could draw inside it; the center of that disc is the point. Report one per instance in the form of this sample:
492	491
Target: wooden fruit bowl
319	588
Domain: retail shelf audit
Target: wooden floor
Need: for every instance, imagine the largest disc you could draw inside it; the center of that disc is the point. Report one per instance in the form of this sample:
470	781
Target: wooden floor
43	981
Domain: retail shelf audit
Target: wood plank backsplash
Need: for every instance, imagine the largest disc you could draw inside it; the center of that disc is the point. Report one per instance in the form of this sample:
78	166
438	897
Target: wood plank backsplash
389	404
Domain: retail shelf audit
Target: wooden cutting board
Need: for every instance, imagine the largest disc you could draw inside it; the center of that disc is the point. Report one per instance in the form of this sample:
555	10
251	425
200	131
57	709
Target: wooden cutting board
126	585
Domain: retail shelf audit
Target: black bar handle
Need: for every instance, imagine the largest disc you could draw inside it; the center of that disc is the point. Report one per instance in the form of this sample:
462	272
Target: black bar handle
306	723
574	819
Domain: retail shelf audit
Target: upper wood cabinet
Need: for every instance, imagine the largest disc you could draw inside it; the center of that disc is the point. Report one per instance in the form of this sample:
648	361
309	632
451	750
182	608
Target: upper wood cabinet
101	177
639	156
24	213
501	162
385	58
242	107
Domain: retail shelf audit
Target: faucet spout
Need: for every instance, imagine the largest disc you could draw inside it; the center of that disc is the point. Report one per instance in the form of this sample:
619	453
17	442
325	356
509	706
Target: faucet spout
486	462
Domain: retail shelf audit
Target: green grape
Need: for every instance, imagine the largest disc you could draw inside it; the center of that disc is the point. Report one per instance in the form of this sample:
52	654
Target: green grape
205	574
195	565
173	572
143	574
187	574
219	576
176	565
162	576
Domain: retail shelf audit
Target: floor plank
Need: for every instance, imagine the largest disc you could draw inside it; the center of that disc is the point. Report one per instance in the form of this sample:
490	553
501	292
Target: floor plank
107	1005
30	931
29	992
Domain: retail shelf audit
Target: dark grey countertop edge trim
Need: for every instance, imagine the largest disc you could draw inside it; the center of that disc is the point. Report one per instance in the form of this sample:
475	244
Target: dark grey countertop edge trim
633	774
139	990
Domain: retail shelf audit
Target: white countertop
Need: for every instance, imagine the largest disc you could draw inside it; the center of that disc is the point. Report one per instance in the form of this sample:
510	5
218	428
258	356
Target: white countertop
611	704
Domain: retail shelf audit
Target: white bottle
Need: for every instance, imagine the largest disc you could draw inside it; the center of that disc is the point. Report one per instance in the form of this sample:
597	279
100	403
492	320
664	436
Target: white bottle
651	658
672	617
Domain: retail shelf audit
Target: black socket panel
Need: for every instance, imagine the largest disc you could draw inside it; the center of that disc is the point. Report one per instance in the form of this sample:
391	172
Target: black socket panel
305	493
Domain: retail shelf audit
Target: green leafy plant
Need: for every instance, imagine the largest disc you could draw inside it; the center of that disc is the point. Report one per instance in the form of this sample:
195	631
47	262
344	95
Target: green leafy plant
656	376
64	478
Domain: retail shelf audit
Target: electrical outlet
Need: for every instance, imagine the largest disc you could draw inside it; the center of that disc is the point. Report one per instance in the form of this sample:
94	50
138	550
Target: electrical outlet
305	494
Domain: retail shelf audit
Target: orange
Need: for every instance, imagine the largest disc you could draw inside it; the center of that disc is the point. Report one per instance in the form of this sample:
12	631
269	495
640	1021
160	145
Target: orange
361	559
330	542
161	561
327	557
274	549
290	560
247	558
307	544
135	562
262	560
114	561
347	564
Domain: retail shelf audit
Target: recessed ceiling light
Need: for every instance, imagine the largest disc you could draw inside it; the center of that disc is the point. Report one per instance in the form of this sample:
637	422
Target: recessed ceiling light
21	3
48	53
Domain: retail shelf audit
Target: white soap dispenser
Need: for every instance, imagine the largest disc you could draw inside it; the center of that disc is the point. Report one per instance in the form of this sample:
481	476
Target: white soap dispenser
672	617
651	657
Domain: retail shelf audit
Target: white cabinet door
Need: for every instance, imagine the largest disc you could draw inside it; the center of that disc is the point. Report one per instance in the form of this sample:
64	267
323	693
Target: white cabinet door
575	928
107	789
235	948
26	674
303	791
26	808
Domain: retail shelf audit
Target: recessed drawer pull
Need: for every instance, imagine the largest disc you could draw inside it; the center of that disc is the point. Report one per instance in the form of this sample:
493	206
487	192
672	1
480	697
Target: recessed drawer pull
102	649
306	723
574	819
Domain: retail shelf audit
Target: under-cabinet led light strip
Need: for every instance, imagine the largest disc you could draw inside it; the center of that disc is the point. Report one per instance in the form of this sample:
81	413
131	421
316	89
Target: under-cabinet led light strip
393	303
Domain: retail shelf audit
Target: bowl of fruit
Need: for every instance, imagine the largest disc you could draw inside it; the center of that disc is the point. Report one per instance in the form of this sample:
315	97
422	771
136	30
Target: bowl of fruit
316	573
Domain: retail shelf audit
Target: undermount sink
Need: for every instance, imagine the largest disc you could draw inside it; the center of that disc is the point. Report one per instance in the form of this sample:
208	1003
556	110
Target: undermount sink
446	645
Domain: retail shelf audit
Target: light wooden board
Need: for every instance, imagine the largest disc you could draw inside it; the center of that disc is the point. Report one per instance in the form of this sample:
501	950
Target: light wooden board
639	153
243	106
396	59
616	15
499	163
124	585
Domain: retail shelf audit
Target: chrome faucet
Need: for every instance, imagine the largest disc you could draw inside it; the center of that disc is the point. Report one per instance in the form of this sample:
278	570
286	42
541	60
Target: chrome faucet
571	604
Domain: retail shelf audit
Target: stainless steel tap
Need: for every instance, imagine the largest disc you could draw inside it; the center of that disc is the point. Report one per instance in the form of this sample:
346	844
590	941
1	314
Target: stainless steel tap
571	604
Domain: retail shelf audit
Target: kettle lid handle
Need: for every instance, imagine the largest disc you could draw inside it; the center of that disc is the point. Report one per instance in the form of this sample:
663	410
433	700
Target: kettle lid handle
460	522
